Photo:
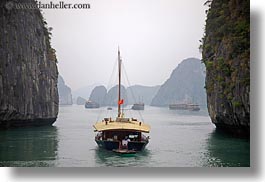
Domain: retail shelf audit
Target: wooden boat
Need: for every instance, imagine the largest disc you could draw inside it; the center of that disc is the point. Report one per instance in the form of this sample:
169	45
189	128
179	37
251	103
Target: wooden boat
121	134
90	105
138	106
179	106
193	107
184	106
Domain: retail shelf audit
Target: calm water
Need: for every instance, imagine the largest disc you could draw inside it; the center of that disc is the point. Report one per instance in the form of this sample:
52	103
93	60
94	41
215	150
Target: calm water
178	139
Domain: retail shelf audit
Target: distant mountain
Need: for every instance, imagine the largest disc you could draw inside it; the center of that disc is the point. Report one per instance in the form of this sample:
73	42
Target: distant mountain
98	95
84	92
131	95
112	96
65	95
139	93
186	83
80	101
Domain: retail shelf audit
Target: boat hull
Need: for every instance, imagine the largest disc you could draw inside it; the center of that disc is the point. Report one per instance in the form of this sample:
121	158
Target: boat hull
113	145
91	106
137	107
196	109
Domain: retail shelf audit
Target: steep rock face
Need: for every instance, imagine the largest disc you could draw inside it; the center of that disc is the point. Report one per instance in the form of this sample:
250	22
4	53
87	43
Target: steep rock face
28	70
140	93
112	96
65	94
80	101
186	83
226	54
84	92
98	95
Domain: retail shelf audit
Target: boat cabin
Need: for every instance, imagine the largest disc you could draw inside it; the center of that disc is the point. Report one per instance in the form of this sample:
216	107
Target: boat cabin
112	134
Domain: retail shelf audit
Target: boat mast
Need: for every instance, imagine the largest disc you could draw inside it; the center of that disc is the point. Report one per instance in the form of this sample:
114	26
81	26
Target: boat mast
119	90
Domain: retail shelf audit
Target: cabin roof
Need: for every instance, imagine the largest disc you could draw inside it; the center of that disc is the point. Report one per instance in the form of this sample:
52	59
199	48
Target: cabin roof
122	124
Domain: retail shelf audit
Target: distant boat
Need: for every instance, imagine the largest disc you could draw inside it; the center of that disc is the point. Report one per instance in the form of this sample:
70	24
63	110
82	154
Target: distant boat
109	108
193	107
184	106
180	106
90	105
121	135
138	106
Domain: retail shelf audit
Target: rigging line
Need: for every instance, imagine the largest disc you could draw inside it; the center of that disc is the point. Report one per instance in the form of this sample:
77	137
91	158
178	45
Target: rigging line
129	84
125	73
130	112
111	77
108	85
110	99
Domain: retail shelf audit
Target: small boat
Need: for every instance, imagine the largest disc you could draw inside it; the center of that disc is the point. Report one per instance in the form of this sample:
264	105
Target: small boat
193	107
121	135
179	106
138	106
90	105
109	108
184	106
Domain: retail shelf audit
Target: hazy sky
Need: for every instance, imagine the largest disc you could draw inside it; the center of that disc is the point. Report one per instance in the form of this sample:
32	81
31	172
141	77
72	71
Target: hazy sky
153	35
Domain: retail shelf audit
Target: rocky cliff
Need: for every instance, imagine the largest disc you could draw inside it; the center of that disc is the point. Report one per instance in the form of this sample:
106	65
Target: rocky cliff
98	95
84	92
186	84
80	101
65	93
28	70
140	93
112	96
130	95
226	54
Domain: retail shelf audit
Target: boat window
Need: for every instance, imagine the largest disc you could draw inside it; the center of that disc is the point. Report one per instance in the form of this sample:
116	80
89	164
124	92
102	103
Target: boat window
133	136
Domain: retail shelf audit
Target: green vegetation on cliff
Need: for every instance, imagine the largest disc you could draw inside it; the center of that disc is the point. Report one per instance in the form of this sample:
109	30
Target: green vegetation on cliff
226	54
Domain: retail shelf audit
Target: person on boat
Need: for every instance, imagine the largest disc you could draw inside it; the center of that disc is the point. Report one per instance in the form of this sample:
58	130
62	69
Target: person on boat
128	140
125	142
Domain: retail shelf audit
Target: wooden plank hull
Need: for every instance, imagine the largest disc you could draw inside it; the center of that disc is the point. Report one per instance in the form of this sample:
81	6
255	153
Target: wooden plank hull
124	151
114	145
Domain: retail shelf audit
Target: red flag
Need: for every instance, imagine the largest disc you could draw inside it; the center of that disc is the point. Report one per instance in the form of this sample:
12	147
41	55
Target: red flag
120	101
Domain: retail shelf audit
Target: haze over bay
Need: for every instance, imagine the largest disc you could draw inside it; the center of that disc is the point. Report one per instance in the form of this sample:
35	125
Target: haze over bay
154	36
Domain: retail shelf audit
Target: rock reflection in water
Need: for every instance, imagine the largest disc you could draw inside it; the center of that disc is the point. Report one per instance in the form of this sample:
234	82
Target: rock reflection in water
227	151
36	146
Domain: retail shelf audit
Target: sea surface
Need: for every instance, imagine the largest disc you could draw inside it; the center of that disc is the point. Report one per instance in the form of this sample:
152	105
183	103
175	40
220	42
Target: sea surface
178	139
